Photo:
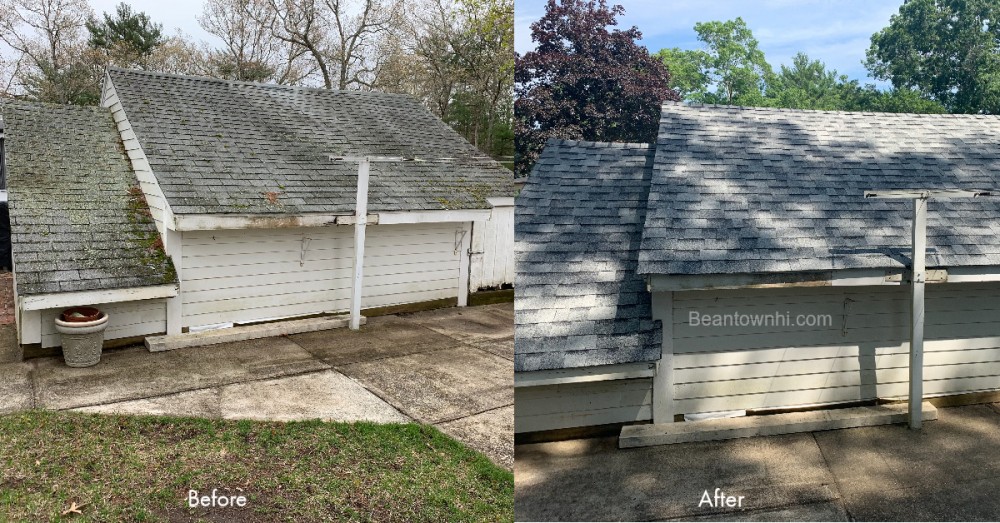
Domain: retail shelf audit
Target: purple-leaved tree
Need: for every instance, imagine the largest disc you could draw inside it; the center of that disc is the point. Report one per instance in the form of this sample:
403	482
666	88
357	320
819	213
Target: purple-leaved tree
585	81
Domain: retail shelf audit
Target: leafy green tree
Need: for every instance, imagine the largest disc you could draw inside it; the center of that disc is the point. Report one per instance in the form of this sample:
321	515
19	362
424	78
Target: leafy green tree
586	81
945	49
735	65
688	71
127	38
902	100
807	84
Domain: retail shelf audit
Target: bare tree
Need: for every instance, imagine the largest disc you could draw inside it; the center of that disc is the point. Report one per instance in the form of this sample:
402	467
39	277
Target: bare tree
343	39
357	52
300	24
47	37
250	52
437	29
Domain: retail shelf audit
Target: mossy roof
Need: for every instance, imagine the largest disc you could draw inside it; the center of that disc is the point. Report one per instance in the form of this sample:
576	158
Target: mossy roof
78	221
224	147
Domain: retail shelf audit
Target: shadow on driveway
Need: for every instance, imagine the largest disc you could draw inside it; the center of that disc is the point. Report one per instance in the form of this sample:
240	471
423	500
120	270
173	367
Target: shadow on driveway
948	471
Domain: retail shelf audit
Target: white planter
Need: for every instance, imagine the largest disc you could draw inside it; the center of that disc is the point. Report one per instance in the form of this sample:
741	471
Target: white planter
82	341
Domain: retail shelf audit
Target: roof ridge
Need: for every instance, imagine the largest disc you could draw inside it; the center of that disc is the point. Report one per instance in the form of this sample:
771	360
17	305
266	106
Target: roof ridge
695	105
256	84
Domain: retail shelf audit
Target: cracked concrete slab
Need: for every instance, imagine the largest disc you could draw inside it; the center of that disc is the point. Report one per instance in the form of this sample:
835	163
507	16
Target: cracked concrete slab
329	395
823	511
136	374
382	337
202	403
501	347
441	385
467	323
15	387
490	432
462	381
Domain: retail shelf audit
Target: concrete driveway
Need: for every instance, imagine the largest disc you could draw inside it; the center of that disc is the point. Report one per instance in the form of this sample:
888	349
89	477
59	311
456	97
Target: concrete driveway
452	368
949	471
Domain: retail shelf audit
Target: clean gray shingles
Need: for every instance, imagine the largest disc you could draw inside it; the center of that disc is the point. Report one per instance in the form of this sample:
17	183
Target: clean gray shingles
578	226
733	190
788	186
218	147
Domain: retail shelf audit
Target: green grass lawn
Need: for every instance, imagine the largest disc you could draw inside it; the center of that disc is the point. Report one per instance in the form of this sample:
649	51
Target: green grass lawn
140	468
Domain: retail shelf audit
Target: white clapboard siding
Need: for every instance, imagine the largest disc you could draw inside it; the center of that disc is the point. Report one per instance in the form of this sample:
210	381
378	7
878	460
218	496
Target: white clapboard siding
143	172
492	263
861	355
552	407
126	320
243	276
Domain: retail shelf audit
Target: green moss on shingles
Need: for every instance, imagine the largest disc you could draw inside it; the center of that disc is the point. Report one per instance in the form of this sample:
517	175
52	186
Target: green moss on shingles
149	242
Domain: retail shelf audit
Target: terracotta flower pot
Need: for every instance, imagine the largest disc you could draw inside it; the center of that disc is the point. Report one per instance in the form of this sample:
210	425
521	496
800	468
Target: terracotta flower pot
80	314
82	341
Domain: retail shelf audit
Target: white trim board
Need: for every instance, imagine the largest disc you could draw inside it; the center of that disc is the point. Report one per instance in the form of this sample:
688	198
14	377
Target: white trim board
212	222
833	278
622	371
76	299
461	215
507	201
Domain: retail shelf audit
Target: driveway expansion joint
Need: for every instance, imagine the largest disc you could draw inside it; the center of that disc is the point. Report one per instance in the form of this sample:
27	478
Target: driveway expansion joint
196	389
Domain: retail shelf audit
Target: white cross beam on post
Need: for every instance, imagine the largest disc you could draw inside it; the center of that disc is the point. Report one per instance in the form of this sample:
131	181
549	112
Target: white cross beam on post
917	282
361	223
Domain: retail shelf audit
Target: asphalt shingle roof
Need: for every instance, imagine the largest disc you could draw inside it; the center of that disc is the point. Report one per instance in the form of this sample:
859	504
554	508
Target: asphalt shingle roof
77	224
219	147
734	190
578	226
753	190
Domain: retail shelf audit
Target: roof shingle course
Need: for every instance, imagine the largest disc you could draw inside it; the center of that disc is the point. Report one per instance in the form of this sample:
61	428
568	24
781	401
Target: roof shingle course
578	224
75	225
787	186
217	147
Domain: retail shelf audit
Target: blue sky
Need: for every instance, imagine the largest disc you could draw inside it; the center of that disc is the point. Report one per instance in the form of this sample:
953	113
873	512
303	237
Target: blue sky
835	32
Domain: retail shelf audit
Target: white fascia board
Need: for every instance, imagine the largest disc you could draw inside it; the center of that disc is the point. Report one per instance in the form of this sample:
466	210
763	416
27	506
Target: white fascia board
76	299
501	202
463	215
835	278
212	222
970	274
623	371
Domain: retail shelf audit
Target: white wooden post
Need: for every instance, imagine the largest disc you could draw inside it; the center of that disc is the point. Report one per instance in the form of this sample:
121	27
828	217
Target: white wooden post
463	266
663	380
917	322
918	278
175	313
360	223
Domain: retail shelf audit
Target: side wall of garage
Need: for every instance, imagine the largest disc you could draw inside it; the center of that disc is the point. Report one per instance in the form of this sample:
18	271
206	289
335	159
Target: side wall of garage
239	276
857	349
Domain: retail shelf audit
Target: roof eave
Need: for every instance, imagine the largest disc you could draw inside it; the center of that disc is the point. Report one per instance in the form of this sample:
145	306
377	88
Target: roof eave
829	278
